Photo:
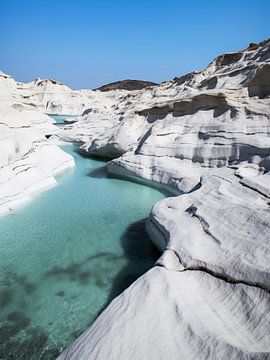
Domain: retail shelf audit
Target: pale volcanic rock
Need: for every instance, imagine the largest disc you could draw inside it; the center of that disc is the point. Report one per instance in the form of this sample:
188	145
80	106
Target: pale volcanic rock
53	97
174	175
214	228
28	162
179	315
47	95
260	183
204	136
193	118
7	86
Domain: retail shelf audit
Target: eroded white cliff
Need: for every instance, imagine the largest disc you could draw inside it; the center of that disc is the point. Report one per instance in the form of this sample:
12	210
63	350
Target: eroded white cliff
28	161
205	136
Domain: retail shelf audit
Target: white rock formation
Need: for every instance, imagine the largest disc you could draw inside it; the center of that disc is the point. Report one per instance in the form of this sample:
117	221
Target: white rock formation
49	96
205	136
28	161
53	97
179	315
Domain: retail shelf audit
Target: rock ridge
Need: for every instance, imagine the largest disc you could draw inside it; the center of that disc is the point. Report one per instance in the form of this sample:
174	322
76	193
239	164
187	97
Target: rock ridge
205	136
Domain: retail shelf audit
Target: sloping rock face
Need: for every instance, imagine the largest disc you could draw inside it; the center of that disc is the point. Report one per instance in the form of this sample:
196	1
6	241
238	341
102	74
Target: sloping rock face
53	97
48	96
7	86
179	315
28	162
205	137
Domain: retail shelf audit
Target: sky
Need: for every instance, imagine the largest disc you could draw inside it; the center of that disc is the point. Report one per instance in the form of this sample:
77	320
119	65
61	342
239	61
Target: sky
88	43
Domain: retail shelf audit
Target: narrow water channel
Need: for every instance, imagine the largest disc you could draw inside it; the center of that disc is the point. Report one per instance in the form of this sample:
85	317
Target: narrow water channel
66	254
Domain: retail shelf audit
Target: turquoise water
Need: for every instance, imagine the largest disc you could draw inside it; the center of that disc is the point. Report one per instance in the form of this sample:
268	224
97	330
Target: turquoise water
66	254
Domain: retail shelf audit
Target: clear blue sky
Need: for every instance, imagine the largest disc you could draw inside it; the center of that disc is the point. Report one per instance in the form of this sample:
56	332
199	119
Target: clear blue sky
86	43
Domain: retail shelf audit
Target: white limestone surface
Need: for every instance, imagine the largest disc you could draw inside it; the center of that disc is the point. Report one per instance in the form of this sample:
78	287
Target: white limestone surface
28	161
206	136
179	315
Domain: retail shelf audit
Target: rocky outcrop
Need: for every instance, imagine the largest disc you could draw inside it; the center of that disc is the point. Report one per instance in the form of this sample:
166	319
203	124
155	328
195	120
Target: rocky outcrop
7	86
48	96
126	85
28	161
180	315
53	97
189	229
205	137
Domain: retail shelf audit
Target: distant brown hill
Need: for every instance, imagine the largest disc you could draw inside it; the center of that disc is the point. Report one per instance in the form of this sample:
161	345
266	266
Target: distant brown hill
126	85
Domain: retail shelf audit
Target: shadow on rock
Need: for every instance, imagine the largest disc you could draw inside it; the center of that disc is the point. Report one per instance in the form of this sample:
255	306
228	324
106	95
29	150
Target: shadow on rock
141	255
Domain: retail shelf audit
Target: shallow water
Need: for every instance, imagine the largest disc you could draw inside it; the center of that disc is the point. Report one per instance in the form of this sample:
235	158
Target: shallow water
66	254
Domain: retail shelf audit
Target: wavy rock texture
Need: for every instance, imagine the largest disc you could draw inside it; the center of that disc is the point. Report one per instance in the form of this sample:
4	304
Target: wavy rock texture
205	136
53	97
49	96
28	162
179	315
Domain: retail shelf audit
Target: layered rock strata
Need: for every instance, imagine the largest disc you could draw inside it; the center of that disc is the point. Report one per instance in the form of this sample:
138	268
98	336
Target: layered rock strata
28	161
204	136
